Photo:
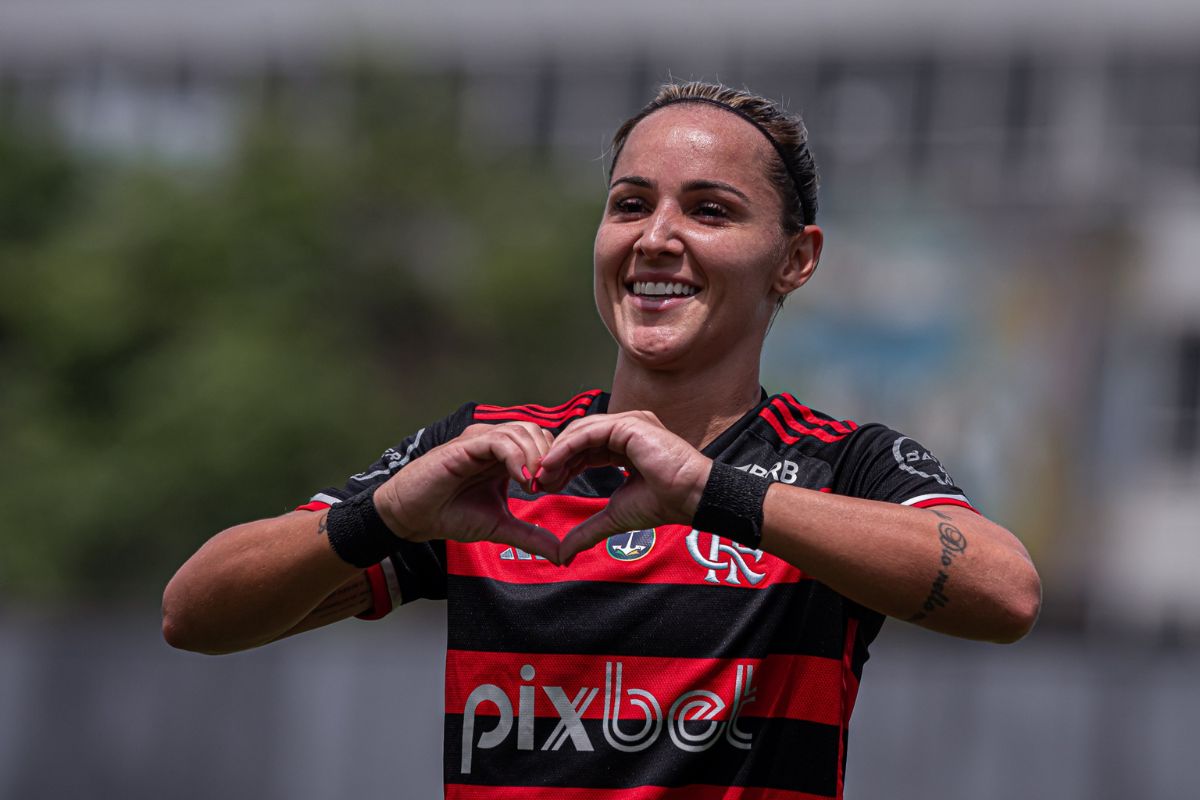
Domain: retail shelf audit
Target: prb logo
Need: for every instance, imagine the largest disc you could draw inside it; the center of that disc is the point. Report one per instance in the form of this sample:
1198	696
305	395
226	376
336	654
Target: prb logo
784	471
631	545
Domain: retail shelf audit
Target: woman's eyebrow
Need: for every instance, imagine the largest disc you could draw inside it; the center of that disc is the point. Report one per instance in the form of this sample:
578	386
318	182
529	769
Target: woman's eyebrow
636	180
697	185
690	186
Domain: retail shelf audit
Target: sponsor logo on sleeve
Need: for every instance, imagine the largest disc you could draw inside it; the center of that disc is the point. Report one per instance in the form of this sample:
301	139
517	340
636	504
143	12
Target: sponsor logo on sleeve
393	459
916	460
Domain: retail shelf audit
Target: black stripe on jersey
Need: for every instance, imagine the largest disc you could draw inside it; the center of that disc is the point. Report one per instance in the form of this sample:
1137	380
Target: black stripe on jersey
785	754
420	570
666	620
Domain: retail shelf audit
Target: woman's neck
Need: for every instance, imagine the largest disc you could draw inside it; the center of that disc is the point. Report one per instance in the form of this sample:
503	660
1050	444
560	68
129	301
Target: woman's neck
696	405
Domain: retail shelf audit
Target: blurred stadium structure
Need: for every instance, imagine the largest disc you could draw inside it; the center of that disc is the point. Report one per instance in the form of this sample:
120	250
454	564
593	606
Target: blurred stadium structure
1012	205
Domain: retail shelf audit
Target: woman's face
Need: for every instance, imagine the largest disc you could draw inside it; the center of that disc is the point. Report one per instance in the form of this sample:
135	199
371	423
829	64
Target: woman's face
690	256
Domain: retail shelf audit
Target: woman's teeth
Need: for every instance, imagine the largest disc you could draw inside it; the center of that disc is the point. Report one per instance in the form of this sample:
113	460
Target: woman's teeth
651	289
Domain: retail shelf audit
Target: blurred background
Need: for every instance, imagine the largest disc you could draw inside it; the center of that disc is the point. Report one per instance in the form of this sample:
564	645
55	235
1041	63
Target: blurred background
247	245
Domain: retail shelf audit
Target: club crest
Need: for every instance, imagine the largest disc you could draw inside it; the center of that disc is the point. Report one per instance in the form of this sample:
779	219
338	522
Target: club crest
631	545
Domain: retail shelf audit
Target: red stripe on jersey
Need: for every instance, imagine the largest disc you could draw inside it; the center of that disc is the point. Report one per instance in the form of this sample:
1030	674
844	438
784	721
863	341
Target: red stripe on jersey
774	422
575	407
944	501
842	426
381	599
666	561
850	694
785	413
313	505
589	395
806	688
518	416
458	791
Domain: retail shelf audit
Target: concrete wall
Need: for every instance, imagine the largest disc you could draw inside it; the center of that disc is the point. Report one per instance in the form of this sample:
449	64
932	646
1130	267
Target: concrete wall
99	707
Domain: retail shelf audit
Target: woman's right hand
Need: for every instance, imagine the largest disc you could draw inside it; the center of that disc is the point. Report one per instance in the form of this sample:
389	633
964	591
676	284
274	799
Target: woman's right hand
459	490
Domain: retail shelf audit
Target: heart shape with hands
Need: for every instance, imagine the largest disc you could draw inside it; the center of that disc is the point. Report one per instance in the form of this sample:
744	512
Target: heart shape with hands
459	490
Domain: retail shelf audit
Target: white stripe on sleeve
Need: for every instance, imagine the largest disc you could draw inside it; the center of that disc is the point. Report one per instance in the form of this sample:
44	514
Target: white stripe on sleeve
925	498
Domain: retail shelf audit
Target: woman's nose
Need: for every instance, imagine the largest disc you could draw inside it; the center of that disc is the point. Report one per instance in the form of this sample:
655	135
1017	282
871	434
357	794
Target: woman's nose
660	236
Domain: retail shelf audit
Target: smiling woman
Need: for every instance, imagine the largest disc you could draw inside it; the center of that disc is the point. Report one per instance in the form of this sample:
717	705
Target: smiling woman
754	545
688	204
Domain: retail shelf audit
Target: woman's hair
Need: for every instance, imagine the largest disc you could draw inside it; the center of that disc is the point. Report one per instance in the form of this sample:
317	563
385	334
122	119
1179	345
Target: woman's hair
794	173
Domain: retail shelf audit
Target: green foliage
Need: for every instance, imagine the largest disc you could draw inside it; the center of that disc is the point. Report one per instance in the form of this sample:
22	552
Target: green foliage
183	349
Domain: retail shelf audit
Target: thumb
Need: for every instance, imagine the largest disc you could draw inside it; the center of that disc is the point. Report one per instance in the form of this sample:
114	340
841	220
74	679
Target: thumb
530	538
588	534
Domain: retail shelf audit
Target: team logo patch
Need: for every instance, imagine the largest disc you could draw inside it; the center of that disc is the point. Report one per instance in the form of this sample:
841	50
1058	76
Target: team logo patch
721	556
631	545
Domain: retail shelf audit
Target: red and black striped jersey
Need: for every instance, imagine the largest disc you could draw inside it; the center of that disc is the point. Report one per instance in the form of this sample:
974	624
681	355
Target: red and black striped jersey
665	663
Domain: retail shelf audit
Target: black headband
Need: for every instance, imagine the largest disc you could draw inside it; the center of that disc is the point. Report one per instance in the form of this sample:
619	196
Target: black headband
783	156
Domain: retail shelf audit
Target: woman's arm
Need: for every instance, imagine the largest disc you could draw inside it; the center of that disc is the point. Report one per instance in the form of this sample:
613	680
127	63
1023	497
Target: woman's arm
945	568
257	582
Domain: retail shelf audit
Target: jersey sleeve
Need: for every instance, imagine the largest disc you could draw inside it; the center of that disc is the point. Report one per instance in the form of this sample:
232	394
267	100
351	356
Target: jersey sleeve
882	464
415	570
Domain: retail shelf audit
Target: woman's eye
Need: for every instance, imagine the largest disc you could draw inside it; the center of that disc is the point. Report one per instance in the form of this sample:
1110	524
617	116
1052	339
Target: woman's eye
710	209
628	205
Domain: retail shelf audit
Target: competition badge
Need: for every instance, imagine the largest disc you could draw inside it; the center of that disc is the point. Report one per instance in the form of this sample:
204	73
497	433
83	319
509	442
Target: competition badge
631	545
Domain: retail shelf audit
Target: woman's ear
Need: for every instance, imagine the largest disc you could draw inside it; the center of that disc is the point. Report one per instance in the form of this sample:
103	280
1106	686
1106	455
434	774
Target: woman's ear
804	251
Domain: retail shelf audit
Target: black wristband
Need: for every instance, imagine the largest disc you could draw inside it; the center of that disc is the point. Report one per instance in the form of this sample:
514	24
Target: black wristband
732	505
357	533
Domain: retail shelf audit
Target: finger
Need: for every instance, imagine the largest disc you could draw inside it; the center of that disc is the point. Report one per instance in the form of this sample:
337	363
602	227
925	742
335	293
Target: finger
509	449
530	538
587	534
554	482
539	439
596	439
517	448
548	442
535	441
585	429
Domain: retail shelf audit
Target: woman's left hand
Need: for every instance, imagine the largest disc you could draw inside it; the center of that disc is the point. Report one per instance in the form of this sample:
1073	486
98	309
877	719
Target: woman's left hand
664	481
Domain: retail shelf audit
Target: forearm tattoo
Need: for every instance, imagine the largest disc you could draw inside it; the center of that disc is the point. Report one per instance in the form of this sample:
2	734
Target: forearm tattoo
322	530
954	544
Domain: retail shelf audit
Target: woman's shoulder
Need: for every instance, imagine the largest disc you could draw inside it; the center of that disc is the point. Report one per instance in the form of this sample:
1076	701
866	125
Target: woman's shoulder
868	459
793	421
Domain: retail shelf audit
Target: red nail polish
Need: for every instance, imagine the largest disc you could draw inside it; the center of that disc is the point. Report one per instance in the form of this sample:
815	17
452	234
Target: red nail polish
525	472
539	473
533	486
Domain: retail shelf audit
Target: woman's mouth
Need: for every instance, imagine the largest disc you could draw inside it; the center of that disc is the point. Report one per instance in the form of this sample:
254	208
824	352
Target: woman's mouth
660	290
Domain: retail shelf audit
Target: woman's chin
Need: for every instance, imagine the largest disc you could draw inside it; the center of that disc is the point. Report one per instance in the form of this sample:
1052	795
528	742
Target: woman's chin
657	352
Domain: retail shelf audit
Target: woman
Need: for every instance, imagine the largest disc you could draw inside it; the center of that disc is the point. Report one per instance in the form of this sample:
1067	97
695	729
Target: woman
669	589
